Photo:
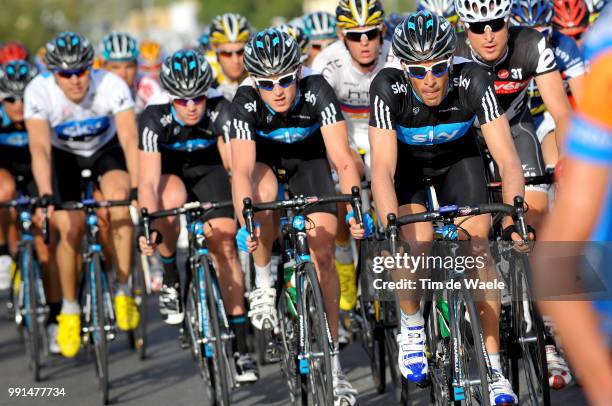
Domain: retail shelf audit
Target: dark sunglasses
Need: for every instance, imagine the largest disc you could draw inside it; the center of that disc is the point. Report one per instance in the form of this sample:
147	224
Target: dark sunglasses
480	28
284	81
12	99
227	54
420	71
355	36
184	102
67	74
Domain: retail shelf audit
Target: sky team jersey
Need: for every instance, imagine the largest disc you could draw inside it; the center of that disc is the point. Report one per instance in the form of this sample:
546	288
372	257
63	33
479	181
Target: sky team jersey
352	87
570	64
12	135
83	128
434	134
528	55
161	130
315	106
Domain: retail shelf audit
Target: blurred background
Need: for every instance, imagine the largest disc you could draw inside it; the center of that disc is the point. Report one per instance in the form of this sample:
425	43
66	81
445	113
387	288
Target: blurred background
172	23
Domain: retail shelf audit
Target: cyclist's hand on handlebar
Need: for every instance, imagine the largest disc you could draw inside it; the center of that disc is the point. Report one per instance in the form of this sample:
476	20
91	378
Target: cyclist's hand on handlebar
146	248
357	231
243	239
510	234
47	201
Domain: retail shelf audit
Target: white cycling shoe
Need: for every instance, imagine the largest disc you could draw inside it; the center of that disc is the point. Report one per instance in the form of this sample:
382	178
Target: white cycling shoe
344	393
500	391
412	359
559	374
263	313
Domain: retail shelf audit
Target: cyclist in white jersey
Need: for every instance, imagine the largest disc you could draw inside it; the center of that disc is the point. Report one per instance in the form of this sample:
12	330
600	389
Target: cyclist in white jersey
77	119
349	65
119	51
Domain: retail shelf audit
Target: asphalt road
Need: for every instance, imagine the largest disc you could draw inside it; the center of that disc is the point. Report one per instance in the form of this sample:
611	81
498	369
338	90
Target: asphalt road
169	376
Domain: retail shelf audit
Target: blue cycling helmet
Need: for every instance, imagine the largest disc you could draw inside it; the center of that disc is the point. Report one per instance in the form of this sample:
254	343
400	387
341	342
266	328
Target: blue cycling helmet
186	74
69	50
119	47
204	42
14	77
532	13
320	26
271	52
392	21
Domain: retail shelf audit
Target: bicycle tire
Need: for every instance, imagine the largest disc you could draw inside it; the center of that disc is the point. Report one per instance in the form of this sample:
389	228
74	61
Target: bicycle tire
438	358
288	342
100	347
463	303
32	330
318	382
532	353
139	293
390	311
220	365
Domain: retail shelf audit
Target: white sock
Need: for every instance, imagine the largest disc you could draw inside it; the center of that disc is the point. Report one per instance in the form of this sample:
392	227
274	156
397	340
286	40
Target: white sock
263	276
495	362
70	307
336	359
344	253
123	289
412	320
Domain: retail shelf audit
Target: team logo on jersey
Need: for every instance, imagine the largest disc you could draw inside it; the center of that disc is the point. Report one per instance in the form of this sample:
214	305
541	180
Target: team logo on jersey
415	110
310	97
251	107
165	119
510	87
213	115
399	88
503	74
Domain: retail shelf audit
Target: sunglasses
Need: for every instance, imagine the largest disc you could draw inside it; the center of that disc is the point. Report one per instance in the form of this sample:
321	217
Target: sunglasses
355	36
480	28
228	54
12	99
185	102
284	81
67	74
420	71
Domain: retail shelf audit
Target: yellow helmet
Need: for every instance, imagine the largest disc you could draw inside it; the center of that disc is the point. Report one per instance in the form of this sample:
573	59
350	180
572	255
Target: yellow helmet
150	55
228	28
359	13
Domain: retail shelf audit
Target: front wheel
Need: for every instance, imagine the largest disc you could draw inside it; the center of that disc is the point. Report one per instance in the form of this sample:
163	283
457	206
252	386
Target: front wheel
316	367
99	324
34	328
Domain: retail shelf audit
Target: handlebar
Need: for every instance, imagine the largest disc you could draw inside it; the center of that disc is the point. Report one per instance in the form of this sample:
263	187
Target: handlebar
91	204
449	213
186	208
301	202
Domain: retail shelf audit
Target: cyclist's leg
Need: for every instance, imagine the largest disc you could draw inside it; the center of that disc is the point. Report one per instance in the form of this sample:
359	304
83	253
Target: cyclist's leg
530	152
7	192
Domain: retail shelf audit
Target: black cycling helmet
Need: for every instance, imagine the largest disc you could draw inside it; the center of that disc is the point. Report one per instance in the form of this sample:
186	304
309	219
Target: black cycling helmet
186	74
424	36
69	51
14	77
271	52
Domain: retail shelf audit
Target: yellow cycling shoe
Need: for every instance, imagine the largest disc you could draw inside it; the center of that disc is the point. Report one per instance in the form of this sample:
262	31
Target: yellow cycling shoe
126	312
69	334
348	286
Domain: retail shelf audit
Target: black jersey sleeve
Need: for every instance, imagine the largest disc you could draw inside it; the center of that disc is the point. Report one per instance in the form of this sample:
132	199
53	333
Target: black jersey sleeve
321	95
221	117
538	55
244	114
150	127
385	91
477	92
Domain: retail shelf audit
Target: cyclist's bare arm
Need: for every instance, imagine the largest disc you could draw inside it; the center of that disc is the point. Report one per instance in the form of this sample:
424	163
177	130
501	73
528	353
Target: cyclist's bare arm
383	147
554	97
582	191
498	137
576	85
148	180
243	166
39	136
127	133
335	137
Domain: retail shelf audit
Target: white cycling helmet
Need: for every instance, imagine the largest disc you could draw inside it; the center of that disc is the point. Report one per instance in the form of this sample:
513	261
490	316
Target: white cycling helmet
476	11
